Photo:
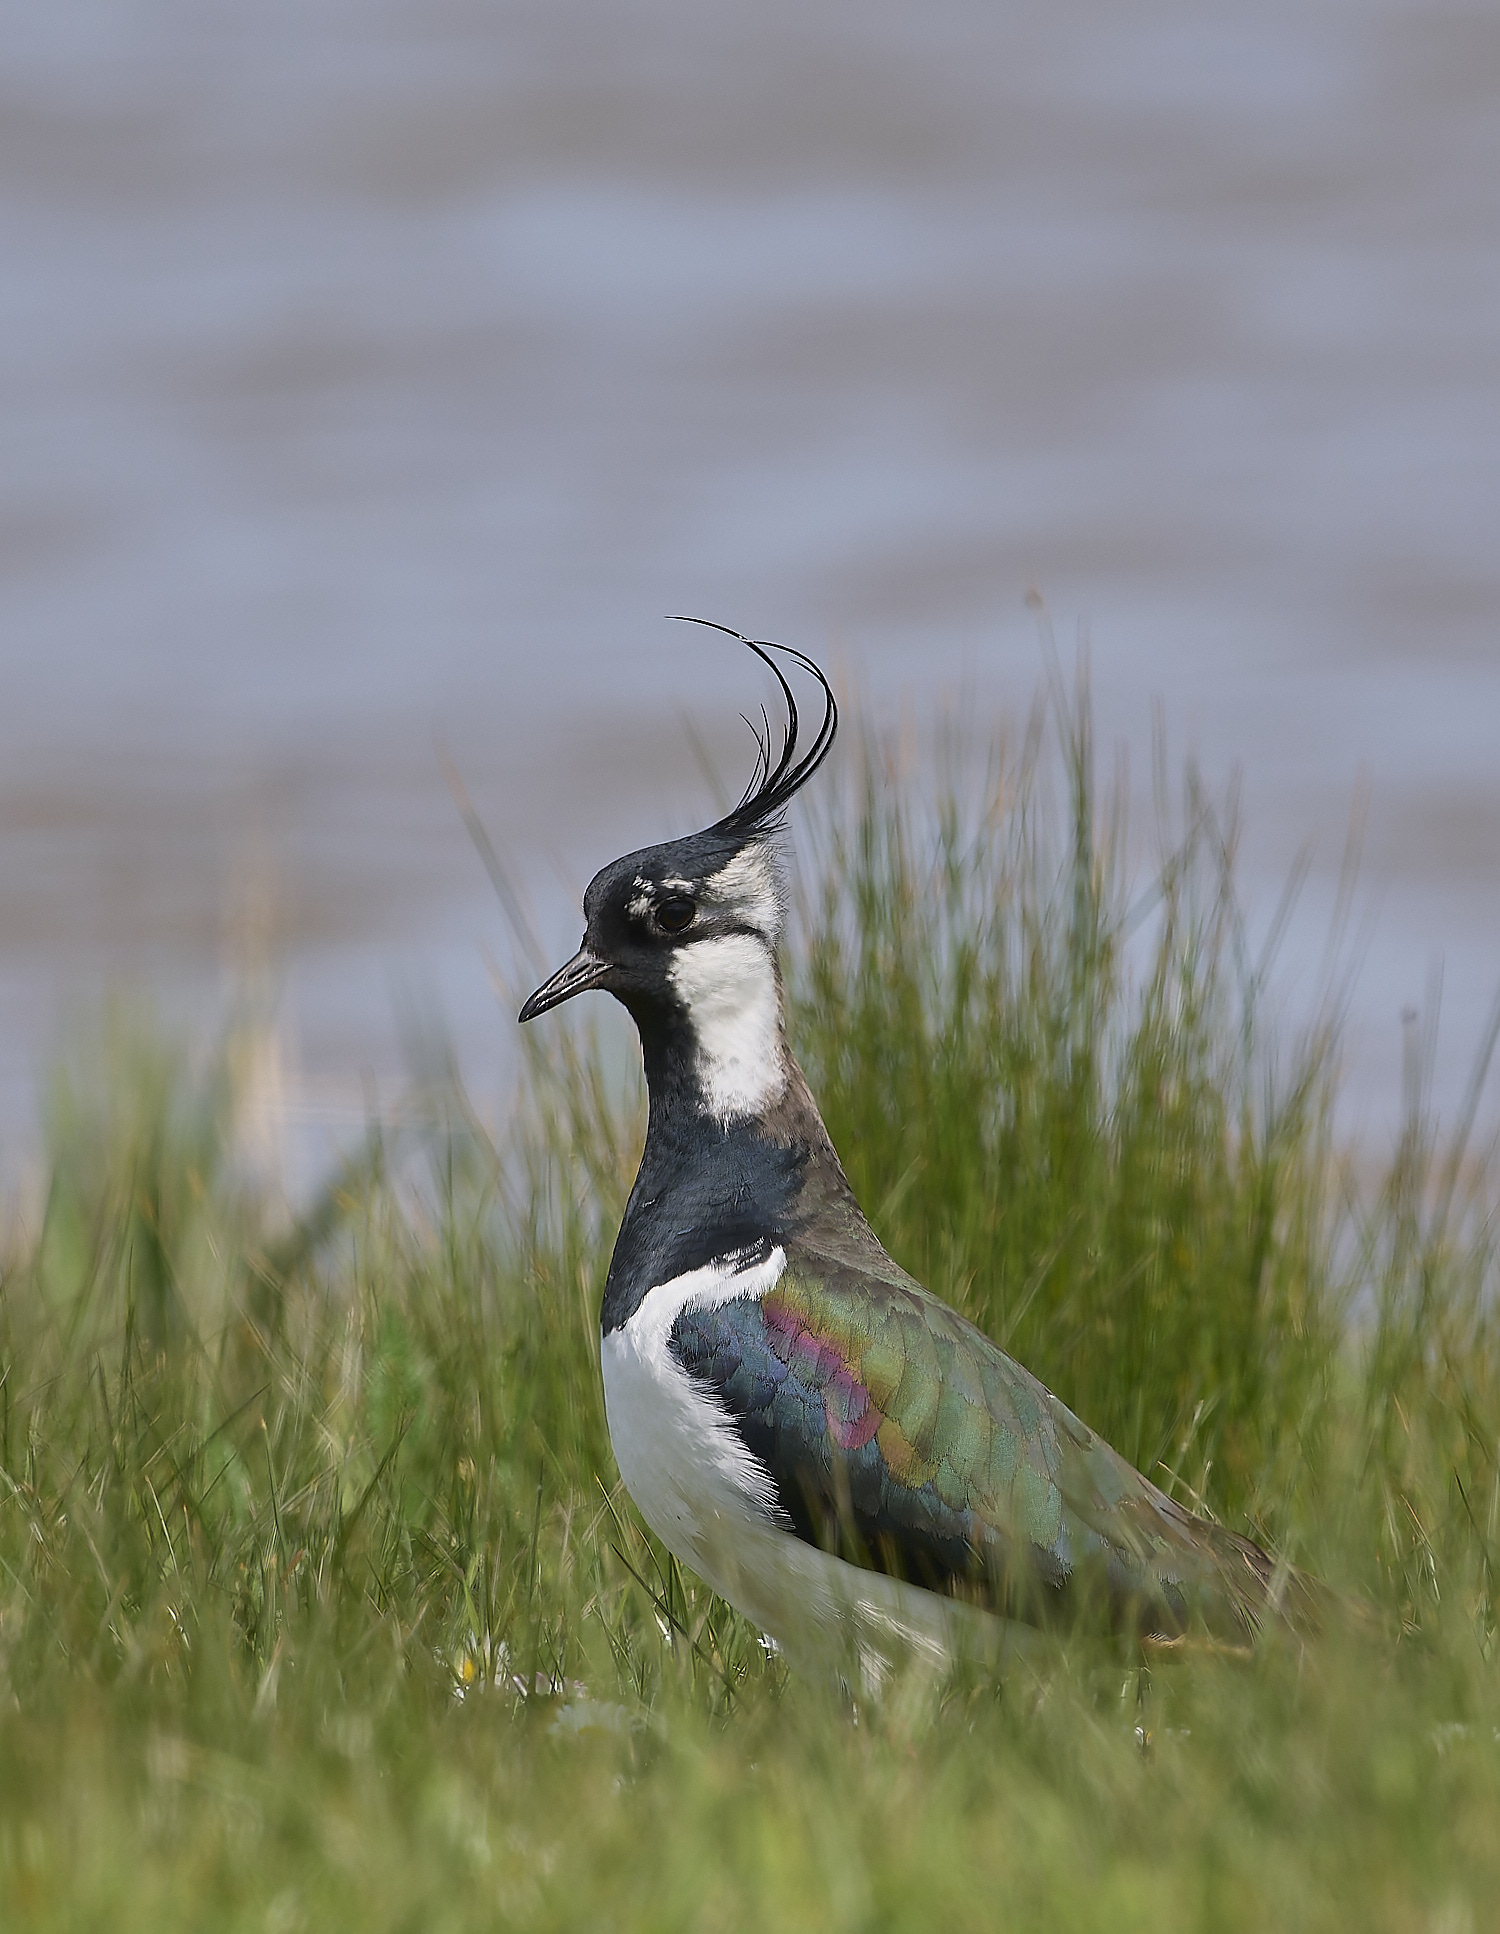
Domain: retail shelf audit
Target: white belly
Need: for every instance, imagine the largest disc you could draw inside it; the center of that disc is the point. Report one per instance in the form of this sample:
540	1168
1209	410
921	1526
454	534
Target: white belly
713	1505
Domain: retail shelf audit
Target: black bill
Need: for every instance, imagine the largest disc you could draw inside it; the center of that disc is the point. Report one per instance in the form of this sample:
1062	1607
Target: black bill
582	972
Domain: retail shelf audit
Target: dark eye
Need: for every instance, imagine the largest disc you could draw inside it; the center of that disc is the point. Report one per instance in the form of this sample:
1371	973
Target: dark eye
676	912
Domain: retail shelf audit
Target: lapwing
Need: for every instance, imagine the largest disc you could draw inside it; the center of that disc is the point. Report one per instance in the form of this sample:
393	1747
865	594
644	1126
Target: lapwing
840	1454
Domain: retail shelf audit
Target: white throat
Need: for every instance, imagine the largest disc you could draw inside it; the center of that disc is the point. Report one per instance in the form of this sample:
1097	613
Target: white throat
728	986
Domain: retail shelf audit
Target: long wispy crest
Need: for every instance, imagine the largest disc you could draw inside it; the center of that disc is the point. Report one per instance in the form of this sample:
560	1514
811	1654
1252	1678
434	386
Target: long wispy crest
779	773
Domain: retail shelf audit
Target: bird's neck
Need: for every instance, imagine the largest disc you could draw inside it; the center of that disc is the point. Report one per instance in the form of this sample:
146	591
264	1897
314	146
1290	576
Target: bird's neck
717	1044
736	1153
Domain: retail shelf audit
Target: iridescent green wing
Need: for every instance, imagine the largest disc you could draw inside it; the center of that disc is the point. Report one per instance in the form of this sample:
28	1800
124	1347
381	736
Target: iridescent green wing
898	1434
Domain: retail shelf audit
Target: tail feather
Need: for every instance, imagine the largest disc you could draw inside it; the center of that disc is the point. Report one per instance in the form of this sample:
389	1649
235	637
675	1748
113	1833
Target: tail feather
1268	1591
1238	1591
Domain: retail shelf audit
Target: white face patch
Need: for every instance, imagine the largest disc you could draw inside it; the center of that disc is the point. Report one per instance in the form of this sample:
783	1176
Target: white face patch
747	886
728	986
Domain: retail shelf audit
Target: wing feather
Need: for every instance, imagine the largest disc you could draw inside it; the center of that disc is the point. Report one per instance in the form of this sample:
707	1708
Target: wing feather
899	1435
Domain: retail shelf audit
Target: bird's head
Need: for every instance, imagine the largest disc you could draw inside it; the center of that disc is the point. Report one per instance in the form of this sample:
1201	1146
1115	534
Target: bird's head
685	934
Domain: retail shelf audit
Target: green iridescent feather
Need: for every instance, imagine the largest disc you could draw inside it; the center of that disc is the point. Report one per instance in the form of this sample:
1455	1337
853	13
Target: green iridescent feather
974	1456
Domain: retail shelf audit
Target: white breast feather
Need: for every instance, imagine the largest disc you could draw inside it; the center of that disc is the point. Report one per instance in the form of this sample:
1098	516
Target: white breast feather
681	1457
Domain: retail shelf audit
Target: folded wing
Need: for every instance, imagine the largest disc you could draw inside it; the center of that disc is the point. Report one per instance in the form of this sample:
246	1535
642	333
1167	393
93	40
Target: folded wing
901	1437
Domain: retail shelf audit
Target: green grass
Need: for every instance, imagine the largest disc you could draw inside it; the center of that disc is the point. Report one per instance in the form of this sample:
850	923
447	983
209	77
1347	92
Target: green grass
321	1606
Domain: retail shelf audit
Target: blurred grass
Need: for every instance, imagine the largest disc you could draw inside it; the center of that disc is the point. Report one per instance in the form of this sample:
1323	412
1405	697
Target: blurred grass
320	1605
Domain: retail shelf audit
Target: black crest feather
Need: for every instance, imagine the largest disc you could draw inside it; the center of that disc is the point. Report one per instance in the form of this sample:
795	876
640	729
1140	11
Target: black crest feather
779	773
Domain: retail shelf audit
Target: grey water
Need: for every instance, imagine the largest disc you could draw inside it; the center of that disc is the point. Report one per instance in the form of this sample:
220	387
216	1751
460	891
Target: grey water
377	376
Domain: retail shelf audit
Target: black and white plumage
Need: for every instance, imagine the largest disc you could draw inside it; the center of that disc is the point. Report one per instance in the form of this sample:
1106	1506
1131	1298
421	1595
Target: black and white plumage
836	1451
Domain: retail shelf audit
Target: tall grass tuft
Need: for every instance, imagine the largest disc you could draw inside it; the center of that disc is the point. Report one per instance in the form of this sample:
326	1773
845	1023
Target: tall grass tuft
321	1605
1051	1092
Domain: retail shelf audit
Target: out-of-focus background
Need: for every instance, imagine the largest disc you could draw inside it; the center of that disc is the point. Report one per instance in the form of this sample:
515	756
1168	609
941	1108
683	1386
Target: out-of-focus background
377	374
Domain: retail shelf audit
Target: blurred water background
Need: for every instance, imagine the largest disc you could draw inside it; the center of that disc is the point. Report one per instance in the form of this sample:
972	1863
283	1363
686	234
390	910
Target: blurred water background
379	374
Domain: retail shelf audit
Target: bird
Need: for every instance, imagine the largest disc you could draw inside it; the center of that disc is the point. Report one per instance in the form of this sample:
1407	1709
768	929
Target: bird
851	1463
